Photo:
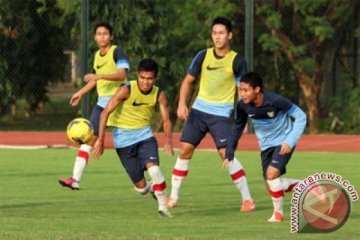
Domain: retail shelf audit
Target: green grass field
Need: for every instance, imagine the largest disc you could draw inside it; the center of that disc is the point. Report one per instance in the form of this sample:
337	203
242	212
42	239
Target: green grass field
34	206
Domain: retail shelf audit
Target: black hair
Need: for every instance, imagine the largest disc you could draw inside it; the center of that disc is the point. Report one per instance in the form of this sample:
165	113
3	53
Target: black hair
105	25
253	79
148	65
224	21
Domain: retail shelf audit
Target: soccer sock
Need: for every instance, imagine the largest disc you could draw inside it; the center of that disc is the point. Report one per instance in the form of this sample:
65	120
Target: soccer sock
180	171
277	194
81	161
159	185
144	190
289	184
237	174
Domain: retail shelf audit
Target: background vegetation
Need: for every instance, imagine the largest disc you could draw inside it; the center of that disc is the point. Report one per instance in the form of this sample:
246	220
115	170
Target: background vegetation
306	50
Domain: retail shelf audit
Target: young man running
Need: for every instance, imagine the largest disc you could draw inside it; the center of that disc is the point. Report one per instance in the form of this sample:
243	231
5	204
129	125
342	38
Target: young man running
110	66
219	70
133	106
278	125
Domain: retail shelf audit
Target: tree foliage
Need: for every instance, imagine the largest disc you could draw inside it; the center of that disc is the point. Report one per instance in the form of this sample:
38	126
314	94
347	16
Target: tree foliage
307	34
32	46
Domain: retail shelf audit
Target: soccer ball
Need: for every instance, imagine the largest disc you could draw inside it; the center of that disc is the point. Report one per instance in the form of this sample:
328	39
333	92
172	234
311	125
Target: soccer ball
79	131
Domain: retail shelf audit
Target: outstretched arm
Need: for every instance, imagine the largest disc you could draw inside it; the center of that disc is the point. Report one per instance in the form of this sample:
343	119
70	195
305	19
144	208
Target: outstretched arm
240	123
121	94
168	147
76	97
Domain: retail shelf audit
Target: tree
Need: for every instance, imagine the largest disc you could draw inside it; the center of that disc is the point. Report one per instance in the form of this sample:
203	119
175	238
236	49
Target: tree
33	49
308	34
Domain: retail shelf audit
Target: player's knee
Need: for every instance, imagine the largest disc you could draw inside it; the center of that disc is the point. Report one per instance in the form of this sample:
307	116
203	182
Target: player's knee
186	150
271	175
186	153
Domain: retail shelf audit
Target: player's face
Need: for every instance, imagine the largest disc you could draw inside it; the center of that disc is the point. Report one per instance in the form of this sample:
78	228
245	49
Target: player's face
102	37
145	81
247	93
220	36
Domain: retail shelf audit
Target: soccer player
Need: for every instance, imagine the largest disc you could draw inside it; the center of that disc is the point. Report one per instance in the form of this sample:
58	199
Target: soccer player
219	70
278	125
132	108
110	66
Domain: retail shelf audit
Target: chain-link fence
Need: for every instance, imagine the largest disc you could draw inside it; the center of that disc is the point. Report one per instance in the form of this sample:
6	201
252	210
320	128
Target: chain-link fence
305	51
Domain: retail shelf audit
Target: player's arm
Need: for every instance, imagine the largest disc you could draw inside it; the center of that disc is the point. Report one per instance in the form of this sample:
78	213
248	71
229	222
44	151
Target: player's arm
168	147
183	111
76	97
239	69
239	125
122	65
193	72
119	75
299	123
121	95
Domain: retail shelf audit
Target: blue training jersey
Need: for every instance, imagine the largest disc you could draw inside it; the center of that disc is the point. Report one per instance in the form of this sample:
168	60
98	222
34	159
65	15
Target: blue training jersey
275	122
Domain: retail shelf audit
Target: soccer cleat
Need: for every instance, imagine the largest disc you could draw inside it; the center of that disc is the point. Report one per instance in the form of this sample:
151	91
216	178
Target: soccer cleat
276	217
165	213
248	206
171	202
70	183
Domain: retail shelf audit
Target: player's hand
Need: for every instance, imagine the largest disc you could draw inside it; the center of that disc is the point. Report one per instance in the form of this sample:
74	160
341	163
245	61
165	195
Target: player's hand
168	148
98	149
284	149
91	77
75	99
226	163
182	112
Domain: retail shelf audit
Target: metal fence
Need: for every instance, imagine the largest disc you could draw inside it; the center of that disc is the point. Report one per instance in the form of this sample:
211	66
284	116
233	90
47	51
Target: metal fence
44	42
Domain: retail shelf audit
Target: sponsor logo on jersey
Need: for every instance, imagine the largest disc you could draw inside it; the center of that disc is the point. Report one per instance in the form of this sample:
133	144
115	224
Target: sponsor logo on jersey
271	114
213	68
136	104
101	65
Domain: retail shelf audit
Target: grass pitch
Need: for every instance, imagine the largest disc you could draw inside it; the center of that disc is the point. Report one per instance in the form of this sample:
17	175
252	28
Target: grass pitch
34	206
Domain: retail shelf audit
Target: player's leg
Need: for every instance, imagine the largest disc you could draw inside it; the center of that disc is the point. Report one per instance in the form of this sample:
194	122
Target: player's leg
179	172
274	165
83	153
147	153
220	130
193	132
134	168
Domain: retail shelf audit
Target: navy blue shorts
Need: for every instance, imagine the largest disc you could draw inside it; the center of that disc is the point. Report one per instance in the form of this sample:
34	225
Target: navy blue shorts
271	157
134	157
200	123
95	118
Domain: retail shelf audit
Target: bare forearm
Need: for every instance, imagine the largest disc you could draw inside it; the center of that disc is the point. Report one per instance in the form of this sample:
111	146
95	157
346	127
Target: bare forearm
88	87
118	76
167	131
184	92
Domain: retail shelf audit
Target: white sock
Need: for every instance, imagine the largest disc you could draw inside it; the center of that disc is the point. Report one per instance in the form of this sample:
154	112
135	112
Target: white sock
159	185
277	194
237	174
180	171
81	161
144	190
289	184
